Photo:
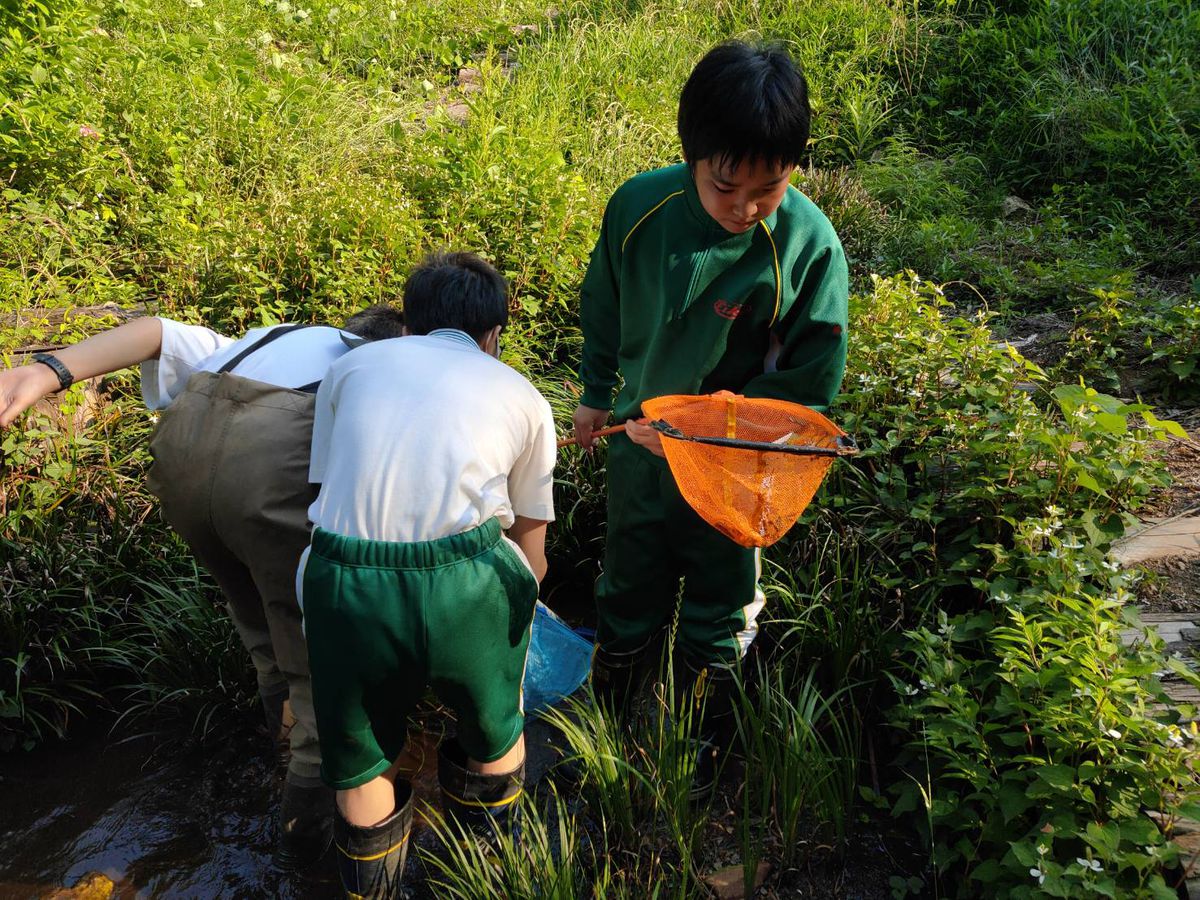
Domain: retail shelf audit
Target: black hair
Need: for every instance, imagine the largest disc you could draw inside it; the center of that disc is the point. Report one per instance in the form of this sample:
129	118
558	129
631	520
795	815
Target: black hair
376	323
745	102
455	290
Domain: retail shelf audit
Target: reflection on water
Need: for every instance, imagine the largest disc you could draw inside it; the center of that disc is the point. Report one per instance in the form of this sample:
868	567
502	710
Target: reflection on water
157	821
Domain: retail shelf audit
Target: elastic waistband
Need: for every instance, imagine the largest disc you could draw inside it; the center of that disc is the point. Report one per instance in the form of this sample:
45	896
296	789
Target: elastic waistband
454	548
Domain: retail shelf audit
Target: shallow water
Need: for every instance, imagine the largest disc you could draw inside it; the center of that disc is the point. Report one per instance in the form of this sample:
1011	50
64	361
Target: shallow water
158	821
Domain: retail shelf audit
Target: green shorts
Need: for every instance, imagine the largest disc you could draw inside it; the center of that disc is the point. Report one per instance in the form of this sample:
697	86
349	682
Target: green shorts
385	620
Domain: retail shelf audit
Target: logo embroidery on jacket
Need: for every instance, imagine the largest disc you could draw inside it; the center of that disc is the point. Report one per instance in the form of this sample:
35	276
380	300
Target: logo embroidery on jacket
727	309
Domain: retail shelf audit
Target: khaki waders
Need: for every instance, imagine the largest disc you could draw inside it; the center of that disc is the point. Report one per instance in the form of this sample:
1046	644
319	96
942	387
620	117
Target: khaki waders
231	471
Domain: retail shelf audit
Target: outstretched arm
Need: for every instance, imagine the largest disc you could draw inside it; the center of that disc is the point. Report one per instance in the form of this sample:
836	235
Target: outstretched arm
126	345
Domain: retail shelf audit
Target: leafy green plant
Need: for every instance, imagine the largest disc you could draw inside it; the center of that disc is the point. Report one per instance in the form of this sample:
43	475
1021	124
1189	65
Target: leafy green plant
1172	336
1037	732
955	447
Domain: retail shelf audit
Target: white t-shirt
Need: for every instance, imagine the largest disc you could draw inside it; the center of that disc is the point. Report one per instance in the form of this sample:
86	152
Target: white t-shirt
292	361
421	437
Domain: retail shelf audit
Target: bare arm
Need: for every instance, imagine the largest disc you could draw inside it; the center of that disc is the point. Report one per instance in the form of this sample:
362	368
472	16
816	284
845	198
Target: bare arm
530	536
126	345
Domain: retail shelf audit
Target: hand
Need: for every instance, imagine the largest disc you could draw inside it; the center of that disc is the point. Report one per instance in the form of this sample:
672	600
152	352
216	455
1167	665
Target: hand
588	419
22	387
645	436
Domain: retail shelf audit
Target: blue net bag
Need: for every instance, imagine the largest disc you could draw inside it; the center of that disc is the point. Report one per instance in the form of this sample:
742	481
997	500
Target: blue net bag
558	663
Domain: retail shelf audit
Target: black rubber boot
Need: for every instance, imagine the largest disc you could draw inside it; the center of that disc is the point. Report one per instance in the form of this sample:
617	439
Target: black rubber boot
617	677
305	824
485	804
710	691
371	860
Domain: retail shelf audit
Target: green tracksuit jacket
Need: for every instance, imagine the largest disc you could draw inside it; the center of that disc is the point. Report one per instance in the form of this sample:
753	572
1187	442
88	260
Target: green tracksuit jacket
678	305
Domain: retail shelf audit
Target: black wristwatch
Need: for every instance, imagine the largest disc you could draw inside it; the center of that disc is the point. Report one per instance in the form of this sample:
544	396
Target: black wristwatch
65	378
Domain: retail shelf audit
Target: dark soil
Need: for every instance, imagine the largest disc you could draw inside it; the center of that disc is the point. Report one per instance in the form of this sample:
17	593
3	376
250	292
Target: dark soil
1173	585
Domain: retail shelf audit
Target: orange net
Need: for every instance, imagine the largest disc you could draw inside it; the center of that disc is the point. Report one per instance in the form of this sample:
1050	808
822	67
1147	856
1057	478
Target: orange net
752	497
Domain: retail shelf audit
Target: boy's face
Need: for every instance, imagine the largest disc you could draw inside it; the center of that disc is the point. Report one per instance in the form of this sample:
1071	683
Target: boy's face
741	196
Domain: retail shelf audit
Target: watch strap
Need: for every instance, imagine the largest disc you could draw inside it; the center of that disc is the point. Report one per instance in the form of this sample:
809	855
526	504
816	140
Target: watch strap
65	378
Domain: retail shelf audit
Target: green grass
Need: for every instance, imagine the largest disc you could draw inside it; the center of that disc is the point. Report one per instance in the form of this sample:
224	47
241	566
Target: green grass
551	856
240	164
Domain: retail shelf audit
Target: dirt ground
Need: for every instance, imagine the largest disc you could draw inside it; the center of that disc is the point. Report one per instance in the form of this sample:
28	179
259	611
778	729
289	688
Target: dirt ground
1173	585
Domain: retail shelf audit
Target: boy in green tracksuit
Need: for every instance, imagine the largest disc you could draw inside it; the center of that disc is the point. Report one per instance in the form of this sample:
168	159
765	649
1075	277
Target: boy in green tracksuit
708	275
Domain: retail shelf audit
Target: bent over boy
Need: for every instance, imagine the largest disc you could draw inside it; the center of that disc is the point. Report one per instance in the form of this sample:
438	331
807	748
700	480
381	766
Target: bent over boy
231	472
435	462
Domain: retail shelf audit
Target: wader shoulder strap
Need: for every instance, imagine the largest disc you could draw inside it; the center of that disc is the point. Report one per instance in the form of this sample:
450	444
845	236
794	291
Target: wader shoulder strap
271	335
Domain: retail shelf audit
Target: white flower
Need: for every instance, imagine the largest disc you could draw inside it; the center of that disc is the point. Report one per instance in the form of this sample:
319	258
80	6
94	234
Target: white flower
1091	864
1002	597
1042	849
909	689
1114	734
927	685
1053	510
1037	873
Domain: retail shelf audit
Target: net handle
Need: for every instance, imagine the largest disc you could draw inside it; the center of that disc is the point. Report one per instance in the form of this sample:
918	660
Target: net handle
603	432
845	444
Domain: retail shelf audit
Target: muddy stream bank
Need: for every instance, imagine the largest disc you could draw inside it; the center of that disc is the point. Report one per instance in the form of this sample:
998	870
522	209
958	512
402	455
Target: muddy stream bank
95	817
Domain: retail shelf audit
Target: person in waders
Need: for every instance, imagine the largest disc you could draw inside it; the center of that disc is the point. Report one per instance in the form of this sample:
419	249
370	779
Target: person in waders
713	274
231	455
436	465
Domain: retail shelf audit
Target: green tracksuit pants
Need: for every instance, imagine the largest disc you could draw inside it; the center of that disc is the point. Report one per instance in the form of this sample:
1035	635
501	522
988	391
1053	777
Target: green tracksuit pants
384	620
655	539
